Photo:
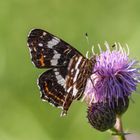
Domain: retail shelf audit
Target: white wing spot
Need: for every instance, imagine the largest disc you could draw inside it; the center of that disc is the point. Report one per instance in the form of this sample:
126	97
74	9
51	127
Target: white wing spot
56	73
74	90
54	62
61	82
40	44
60	79
53	42
55	52
34	49
44	33
57	56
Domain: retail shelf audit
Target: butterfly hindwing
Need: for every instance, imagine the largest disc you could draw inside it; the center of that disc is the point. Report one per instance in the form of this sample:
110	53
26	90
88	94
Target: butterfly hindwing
52	86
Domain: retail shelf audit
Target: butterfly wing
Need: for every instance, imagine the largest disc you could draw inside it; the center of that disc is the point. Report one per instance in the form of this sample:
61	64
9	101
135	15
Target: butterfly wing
49	51
66	79
52	84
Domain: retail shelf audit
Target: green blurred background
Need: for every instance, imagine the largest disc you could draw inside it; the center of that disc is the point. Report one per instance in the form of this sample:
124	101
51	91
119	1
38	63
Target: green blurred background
23	116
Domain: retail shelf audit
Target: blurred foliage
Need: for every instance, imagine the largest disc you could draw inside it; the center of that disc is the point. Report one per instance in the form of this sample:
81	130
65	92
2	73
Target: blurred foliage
22	114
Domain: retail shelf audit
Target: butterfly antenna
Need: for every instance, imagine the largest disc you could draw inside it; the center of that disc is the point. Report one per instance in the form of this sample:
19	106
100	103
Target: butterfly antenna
86	35
87	39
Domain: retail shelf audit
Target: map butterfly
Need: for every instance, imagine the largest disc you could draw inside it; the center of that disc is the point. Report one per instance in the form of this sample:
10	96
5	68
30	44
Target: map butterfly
68	70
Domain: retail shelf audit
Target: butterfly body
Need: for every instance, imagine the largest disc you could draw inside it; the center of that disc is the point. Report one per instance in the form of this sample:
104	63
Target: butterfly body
68	70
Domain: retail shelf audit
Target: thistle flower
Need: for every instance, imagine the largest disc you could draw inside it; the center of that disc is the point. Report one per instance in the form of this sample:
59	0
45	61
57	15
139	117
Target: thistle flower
114	77
120	105
101	116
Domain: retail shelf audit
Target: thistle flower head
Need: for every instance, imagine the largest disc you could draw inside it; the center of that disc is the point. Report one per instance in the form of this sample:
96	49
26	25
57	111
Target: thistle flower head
114	77
101	116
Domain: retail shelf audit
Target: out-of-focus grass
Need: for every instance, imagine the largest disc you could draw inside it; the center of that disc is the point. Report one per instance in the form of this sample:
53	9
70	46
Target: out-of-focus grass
22	114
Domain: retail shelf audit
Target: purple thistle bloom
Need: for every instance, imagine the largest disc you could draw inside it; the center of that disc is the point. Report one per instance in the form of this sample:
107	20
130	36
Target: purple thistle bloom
114	76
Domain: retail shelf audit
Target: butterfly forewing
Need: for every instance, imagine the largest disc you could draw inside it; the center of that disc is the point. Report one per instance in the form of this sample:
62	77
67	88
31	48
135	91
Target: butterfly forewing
49	51
66	79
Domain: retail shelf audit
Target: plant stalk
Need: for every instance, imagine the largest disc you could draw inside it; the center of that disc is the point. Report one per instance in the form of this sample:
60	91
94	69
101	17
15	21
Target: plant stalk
118	129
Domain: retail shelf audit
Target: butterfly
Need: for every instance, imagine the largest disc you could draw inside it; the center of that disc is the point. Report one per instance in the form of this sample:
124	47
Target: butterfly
67	69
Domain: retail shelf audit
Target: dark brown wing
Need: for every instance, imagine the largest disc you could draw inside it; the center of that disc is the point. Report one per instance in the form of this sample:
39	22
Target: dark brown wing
52	85
49	51
66	79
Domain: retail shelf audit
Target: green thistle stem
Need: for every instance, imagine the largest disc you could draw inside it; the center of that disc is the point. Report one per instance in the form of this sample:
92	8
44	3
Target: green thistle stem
118	129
